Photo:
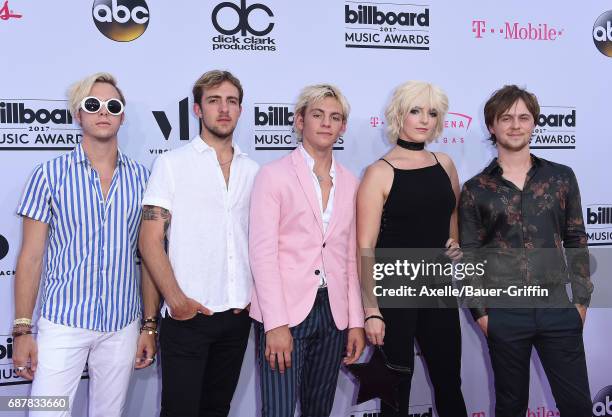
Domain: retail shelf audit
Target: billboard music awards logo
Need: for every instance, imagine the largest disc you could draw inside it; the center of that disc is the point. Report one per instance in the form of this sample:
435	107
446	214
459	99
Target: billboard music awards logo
273	127
555	128
242	27
167	128
516	31
121	20
7	13
37	125
598	219
602	33
456	127
386	25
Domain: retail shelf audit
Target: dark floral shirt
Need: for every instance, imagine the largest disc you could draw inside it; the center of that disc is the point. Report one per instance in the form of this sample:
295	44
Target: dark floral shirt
536	230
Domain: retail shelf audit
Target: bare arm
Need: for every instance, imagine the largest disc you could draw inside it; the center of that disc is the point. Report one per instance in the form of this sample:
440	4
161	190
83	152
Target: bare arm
451	171
27	282
155	223
150	295
147	344
29	266
371	196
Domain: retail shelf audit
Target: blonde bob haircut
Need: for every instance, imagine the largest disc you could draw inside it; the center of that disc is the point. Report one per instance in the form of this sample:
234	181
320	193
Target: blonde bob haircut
315	93
415	94
82	88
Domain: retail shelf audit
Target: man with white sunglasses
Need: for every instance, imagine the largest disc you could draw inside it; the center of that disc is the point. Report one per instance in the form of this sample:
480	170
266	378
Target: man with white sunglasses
87	203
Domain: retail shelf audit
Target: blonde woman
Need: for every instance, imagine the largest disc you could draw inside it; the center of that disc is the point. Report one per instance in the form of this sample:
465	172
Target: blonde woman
408	199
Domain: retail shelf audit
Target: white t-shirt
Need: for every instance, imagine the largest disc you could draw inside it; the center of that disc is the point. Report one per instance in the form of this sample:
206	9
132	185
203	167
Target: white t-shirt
208	233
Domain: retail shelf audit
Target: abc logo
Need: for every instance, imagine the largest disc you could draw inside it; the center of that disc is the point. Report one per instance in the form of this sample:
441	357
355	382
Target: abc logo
602	33
243	26
4	247
602	403
121	22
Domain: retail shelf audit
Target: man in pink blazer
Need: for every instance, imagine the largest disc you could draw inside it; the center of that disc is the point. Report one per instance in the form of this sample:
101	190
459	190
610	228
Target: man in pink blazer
302	250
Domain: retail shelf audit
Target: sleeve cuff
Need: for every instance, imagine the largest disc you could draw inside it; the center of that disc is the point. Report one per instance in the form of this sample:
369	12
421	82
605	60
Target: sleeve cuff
157	202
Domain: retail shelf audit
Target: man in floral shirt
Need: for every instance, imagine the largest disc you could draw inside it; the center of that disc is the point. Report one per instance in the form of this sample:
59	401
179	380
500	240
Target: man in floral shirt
523	215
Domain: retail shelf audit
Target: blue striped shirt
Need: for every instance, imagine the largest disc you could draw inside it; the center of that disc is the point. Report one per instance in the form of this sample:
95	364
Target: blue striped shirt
90	277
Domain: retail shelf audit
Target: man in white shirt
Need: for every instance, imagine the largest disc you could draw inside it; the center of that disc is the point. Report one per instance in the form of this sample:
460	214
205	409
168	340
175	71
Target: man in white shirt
205	278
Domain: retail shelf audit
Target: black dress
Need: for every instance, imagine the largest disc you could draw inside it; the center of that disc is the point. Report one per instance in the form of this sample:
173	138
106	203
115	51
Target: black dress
417	215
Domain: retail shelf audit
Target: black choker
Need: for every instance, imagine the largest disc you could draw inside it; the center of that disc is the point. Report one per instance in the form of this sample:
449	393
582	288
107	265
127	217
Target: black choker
412	146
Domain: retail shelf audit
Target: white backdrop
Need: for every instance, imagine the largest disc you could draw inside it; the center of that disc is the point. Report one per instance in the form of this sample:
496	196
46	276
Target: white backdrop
467	48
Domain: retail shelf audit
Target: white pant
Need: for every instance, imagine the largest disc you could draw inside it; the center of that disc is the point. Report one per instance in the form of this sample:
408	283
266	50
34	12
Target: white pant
62	354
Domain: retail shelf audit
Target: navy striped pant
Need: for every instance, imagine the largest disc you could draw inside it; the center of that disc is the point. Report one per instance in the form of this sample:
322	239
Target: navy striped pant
318	349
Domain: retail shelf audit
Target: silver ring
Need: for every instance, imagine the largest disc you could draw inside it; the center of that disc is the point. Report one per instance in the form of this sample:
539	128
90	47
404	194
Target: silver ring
273	353
20	368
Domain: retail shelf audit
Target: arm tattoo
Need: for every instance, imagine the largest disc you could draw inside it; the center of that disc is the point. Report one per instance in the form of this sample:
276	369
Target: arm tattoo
165	214
149	213
157	213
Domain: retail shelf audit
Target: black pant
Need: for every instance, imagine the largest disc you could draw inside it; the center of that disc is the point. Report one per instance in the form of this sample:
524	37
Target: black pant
556	333
201	361
438	333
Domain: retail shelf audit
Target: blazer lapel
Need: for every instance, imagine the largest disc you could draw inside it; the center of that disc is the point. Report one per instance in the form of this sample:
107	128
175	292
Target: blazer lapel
305	179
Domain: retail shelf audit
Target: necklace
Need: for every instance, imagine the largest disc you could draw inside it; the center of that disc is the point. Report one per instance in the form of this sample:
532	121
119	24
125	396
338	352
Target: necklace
412	146
225	163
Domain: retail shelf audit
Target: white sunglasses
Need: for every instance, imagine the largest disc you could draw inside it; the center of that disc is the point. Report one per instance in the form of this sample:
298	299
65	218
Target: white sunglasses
93	104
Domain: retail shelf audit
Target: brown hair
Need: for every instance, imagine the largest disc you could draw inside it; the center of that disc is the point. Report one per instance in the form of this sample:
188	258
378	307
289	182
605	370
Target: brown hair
503	99
212	79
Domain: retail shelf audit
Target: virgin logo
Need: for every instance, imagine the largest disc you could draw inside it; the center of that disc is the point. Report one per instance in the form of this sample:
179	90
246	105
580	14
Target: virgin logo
6	13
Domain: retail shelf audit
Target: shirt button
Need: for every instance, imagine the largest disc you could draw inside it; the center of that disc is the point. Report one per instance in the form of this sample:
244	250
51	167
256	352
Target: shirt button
317	272
323	244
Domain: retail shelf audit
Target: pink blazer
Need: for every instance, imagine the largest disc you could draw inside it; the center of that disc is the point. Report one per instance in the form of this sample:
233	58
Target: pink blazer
287	246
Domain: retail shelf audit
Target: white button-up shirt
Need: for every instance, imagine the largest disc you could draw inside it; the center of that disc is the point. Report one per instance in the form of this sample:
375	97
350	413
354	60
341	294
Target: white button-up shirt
208	233
325	214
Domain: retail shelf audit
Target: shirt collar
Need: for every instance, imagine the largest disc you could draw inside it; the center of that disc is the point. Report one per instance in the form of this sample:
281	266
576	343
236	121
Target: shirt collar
310	161
200	146
80	156
494	168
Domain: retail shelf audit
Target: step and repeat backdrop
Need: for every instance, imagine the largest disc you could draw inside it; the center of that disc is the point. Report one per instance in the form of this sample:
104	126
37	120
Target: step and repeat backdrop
562	51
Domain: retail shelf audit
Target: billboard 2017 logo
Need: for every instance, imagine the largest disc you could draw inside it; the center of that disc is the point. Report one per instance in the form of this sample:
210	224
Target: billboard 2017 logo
37	124
516	31
602	33
386	25
273	129
254	20
555	128
121	22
